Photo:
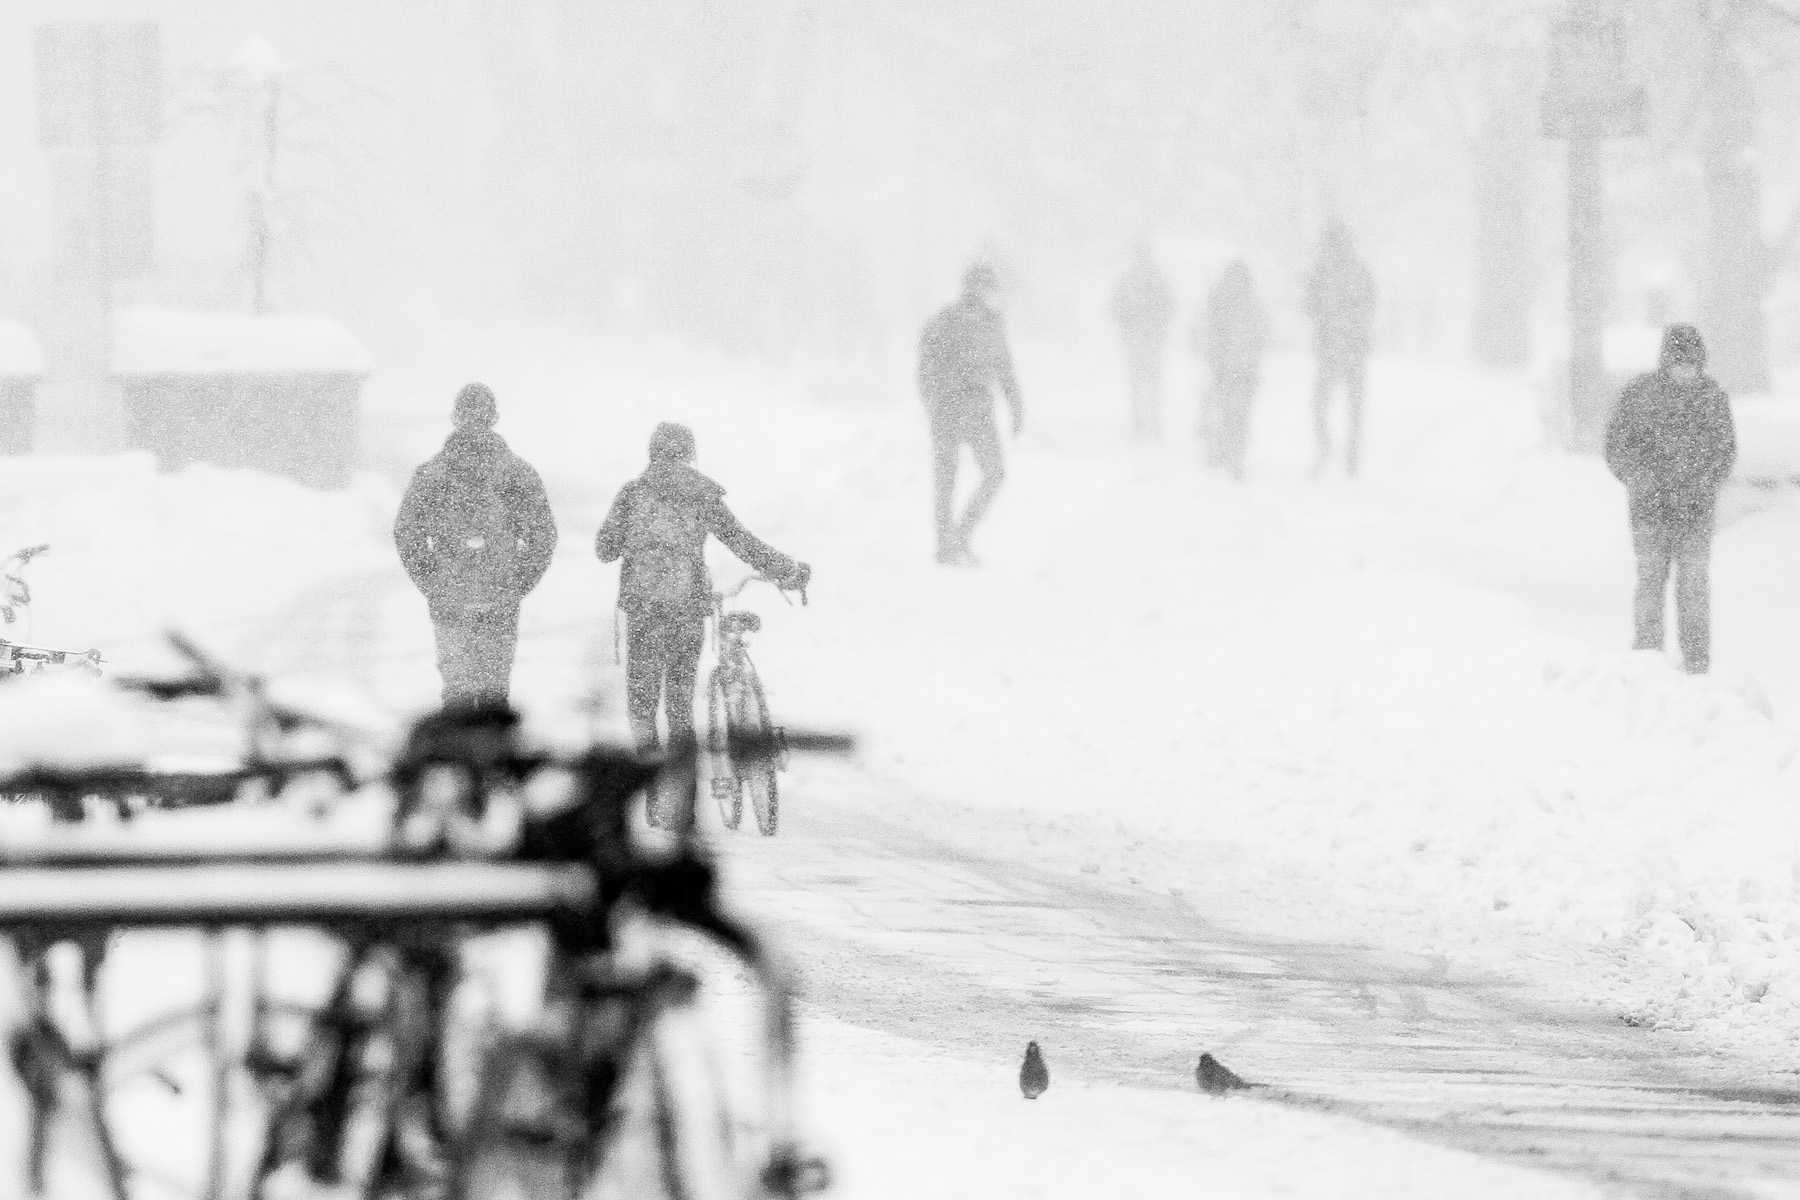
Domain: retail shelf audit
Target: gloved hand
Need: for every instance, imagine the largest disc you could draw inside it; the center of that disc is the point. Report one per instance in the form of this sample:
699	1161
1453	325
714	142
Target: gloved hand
798	578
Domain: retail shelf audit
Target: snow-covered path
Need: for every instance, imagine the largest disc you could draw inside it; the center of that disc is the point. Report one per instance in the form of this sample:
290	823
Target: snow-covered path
915	936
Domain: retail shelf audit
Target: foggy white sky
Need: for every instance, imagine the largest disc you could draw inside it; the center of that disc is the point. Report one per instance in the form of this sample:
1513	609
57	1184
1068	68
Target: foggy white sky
816	173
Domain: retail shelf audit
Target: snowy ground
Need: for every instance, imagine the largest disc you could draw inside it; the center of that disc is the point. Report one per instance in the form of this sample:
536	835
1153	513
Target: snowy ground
1389	712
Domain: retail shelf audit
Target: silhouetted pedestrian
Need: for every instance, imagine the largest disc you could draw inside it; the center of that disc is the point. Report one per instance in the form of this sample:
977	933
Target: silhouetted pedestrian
475	535
963	355
1230	334
1340	299
1143	307
1672	443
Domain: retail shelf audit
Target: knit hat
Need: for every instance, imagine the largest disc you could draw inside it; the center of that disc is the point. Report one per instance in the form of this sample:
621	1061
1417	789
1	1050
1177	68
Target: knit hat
1682	344
475	405
672	443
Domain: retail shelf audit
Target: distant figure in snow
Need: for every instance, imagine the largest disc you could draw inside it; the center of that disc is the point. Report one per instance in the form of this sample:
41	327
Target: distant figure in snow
963	355
1340	299
1215	1078
475	534
1230	334
1671	442
1034	1076
658	524
1143	307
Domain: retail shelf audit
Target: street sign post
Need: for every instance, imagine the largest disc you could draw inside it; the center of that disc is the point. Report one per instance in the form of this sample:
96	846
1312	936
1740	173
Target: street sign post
1588	98
99	116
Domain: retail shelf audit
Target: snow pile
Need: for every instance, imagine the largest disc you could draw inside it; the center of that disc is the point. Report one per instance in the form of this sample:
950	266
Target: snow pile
225	555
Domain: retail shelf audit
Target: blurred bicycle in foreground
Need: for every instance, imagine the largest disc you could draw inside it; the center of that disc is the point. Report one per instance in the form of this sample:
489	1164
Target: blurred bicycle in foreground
489	869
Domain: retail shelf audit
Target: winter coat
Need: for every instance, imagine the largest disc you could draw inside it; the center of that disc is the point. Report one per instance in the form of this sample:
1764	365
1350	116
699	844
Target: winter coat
962	355
442	499
1143	306
1234	334
1672	445
699	506
1340	299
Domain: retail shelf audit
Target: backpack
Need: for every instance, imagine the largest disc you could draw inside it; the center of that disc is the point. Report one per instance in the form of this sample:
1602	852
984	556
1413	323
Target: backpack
477	546
660	536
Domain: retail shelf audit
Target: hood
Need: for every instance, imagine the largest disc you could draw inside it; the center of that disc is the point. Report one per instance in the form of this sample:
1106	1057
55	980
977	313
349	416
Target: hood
679	481
1682	343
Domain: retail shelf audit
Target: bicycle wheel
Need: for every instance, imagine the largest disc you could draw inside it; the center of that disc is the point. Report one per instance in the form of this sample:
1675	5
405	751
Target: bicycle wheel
726	789
748	716
677	1137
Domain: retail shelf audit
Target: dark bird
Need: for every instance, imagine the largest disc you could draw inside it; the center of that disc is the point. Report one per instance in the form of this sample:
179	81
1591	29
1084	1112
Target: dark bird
1034	1076
1215	1078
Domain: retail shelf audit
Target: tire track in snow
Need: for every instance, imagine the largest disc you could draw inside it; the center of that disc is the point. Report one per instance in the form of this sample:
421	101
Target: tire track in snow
914	935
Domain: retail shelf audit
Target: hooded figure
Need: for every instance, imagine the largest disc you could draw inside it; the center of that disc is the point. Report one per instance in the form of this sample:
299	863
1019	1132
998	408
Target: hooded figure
963	356
1340	299
475	534
1671	442
658	524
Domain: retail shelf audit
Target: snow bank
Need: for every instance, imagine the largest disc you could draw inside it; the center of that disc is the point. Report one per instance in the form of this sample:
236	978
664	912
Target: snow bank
228	556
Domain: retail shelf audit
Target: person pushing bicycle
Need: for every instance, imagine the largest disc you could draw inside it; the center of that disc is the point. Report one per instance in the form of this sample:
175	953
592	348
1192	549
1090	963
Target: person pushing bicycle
658	524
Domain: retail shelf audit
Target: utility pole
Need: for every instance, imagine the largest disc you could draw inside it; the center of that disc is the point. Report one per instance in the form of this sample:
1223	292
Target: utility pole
1588	100
1587	289
99	93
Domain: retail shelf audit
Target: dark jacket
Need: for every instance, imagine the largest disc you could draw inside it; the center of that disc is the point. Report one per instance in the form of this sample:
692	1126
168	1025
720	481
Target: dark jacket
1672	446
701	503
1340	299
1143	305
962	355
472	465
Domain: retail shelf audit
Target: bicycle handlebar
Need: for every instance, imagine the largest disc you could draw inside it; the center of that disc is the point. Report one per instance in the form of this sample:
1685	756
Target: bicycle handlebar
720	597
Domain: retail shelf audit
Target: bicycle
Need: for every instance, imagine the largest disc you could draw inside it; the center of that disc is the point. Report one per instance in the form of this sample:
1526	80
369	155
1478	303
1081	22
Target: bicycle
379	1090
746	749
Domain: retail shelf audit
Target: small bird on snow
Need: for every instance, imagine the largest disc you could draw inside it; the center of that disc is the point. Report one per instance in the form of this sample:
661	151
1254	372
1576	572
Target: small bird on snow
1034	1076
1215	1078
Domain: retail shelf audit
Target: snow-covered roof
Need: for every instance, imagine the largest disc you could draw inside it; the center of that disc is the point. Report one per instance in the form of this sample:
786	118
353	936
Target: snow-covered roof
165	341
20	355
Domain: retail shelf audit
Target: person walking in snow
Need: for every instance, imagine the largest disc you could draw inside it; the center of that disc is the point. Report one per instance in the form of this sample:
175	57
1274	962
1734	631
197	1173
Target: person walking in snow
1672	443
1143	307
658	524
1340	299
1230	335
963	355
475	534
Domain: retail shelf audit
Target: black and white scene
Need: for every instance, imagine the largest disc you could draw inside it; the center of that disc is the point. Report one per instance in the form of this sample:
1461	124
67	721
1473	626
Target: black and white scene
987	599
